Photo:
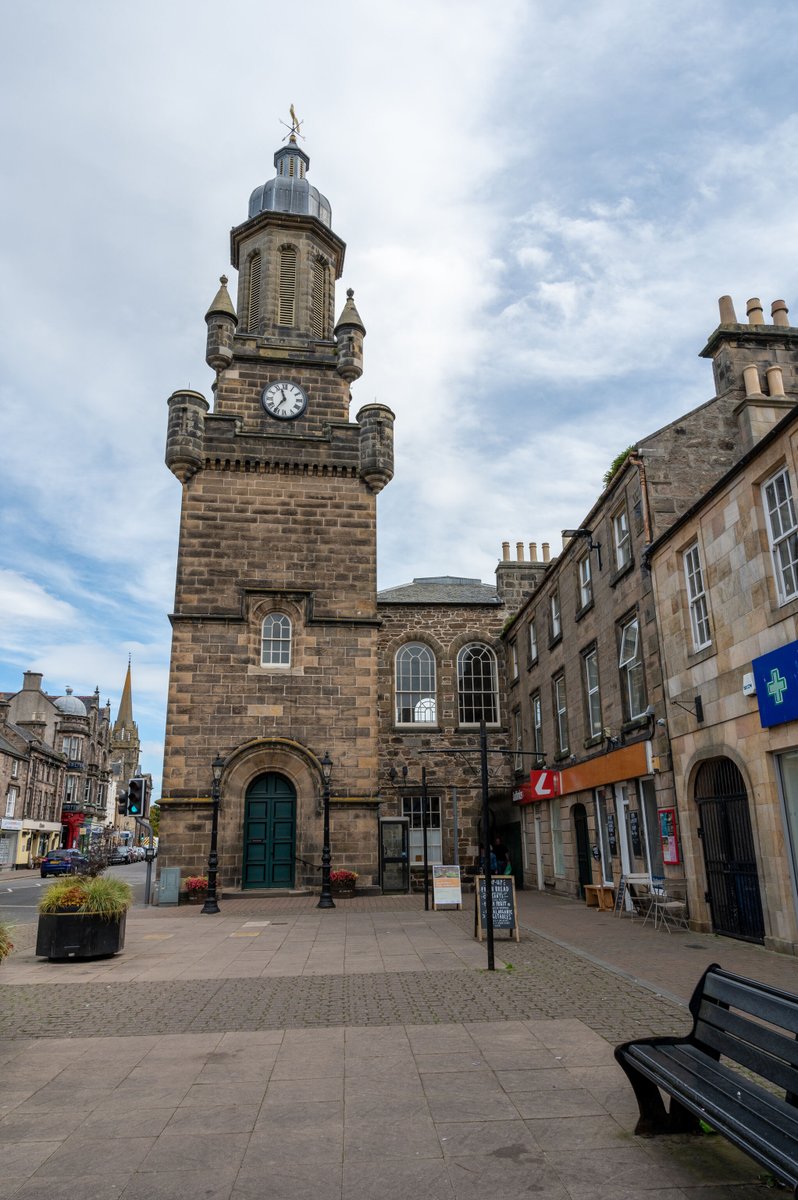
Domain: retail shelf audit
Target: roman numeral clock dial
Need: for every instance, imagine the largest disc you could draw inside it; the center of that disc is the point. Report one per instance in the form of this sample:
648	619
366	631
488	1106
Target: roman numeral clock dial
284	400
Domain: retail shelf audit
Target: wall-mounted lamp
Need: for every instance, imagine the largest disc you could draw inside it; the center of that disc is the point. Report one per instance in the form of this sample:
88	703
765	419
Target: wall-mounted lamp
696	708
587	534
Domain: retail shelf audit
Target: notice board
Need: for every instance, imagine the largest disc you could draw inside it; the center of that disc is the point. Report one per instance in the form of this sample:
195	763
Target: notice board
446	888
505	912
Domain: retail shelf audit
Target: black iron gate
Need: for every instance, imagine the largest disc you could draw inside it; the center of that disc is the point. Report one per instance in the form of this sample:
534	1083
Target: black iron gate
725	832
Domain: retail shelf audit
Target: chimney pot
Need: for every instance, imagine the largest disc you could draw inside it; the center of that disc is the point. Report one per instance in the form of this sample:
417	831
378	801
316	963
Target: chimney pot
505	551
775	381
754	311
727	314
546	552
751	378
519	551
533	552
778	311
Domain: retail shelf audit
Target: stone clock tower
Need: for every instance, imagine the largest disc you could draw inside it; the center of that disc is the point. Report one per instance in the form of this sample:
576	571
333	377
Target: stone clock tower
274	645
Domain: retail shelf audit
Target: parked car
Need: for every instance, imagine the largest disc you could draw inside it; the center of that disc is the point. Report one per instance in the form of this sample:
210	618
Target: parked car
121	854
63	862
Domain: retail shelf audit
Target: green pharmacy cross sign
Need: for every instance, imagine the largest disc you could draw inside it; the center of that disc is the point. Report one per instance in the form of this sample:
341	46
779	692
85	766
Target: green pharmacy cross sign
776	676
778	684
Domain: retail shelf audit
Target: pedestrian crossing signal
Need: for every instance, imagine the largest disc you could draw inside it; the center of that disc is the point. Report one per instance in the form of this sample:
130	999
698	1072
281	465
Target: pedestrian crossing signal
137	797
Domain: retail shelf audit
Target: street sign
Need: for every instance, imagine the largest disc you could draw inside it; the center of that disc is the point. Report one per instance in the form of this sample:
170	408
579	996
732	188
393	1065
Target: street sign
544	784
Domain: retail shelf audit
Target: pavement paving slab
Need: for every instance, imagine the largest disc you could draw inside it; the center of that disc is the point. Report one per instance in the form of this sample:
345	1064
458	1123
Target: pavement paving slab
366	1051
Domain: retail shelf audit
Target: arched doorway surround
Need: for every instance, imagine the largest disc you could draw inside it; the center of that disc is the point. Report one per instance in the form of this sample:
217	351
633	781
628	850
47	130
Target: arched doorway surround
727	841
264	756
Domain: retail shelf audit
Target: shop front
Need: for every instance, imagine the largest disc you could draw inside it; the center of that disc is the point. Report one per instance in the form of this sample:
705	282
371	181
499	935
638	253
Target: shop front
10	830
36	838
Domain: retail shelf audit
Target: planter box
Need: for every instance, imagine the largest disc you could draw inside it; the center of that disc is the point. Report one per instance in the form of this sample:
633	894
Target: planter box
342	893
79	935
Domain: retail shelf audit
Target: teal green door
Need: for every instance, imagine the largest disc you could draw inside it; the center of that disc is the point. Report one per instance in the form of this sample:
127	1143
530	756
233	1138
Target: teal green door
269	833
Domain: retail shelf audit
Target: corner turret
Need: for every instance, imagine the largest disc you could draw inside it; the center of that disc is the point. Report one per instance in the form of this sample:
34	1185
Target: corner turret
376	445
185	433
349	334
222	321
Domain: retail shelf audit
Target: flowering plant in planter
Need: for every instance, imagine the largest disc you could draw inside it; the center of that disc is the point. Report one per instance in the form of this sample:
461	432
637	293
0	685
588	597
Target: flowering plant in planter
6	945
343	879
196	883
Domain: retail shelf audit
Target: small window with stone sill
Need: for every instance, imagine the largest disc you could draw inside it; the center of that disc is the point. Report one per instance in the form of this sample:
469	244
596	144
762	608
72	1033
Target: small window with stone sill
585	595
621	538
555	620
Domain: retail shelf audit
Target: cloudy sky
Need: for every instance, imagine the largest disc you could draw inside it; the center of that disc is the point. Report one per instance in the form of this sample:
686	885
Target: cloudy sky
540	212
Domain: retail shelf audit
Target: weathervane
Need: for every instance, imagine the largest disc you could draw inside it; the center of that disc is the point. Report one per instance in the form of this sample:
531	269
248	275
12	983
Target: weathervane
294	128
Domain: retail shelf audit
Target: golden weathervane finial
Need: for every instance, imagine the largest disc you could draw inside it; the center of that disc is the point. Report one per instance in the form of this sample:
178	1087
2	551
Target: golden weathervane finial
295	128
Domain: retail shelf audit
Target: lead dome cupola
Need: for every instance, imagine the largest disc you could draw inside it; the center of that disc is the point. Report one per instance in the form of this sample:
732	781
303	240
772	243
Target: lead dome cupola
289	191
71	705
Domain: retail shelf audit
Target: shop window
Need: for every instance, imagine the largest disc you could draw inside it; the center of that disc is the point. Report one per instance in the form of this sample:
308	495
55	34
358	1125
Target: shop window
415	685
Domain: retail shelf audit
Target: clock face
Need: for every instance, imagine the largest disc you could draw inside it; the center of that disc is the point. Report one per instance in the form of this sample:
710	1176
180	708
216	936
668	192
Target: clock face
284	400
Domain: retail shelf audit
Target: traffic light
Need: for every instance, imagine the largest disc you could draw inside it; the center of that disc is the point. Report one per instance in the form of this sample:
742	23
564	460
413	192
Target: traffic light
137	797
121	804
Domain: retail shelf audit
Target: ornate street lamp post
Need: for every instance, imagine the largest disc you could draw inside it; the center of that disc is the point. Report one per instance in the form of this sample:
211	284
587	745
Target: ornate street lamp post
326	900
211	905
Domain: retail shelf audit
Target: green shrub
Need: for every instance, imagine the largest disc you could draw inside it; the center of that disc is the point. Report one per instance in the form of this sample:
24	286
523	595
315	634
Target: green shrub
6	945
102	895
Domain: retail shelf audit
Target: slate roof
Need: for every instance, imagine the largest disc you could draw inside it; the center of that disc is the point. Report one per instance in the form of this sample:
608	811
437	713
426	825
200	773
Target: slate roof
441	589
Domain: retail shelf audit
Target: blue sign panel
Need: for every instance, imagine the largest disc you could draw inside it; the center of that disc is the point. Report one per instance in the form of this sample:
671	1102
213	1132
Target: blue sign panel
776	676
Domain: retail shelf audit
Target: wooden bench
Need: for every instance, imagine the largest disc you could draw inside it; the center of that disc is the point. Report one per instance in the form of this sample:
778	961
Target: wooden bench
748	1025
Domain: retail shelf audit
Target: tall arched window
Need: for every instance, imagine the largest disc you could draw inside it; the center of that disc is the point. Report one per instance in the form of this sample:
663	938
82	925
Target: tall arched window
415	685
286	308
477	685
318	299
253	301
275	648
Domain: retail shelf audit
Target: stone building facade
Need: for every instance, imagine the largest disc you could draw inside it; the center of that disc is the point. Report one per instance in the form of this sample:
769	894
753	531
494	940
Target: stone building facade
585	651
65	741
724	578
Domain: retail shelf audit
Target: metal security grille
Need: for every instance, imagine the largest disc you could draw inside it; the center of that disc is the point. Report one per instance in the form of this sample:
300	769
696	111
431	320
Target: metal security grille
253	306
729	857
287	303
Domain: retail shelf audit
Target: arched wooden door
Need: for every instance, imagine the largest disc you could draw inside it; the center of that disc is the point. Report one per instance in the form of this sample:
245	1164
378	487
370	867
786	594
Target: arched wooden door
269	833
729	857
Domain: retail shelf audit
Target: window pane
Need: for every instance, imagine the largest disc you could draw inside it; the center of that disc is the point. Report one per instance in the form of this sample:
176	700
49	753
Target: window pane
476	683
415	685
783	535
276	641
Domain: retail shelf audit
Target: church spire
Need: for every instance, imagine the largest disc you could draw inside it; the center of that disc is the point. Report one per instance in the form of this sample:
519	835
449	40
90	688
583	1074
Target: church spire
124	717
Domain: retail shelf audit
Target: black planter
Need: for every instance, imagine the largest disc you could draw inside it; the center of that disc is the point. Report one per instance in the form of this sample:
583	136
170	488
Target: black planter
79	935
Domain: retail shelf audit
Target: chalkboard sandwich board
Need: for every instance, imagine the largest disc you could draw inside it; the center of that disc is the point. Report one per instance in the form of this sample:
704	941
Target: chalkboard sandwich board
505	913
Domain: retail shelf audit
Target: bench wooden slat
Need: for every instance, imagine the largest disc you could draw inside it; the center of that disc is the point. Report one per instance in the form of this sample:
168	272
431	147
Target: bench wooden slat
756	1049
758	1125
758	999
686	1064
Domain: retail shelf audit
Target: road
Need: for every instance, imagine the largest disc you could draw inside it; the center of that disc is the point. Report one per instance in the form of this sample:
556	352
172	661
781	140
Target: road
19	897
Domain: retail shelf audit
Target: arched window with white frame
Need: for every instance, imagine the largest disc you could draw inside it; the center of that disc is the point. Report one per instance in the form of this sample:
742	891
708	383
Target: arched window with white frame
275	646
477	685
416	701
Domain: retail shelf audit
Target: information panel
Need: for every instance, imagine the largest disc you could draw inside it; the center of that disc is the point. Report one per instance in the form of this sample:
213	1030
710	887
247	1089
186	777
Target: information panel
446	889
504	906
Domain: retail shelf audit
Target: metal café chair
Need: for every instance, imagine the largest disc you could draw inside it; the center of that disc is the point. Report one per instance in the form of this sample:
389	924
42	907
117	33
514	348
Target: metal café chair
656	890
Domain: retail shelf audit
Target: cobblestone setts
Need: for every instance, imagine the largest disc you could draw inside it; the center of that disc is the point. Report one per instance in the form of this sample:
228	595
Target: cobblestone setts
545	981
